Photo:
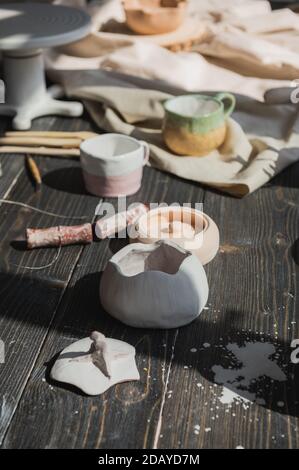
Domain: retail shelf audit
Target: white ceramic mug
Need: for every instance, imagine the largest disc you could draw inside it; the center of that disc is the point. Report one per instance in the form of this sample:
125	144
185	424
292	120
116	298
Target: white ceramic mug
112	164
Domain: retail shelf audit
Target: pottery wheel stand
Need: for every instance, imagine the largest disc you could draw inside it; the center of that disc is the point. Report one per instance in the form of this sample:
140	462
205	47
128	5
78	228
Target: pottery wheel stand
25	30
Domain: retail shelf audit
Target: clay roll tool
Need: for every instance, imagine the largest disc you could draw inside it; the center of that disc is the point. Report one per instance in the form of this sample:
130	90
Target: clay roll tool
109	226
59	236
84	233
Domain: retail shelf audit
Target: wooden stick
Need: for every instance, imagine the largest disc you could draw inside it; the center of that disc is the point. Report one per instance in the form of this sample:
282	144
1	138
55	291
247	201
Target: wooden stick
34	171
41	141
52	134
50	152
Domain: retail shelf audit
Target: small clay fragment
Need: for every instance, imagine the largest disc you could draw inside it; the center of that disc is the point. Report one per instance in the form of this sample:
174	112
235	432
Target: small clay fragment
100	353
58	236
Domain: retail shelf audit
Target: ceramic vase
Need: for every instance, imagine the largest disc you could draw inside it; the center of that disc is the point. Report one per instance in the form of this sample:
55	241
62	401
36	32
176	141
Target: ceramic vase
154	286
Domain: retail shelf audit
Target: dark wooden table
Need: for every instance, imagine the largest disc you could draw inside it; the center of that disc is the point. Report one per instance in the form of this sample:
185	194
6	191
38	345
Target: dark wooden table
253	286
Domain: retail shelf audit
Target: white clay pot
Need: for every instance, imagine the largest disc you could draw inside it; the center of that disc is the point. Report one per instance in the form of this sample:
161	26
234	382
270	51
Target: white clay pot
154	286
189	228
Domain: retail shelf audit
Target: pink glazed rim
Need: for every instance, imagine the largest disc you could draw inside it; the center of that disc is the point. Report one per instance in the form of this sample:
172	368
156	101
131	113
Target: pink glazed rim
210	245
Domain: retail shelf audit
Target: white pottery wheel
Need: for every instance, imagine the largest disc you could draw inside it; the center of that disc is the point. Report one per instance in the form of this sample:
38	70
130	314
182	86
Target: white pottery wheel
25	29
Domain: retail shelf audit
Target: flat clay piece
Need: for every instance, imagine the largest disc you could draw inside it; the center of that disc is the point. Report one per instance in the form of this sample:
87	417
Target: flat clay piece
95	364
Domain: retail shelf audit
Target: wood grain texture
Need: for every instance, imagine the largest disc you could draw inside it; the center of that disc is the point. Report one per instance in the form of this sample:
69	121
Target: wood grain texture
10	169
29	298
253	297
127	415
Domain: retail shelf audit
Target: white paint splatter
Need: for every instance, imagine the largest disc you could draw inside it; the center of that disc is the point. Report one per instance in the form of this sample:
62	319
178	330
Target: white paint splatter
196	429
254	362
193	350
229	396
206	345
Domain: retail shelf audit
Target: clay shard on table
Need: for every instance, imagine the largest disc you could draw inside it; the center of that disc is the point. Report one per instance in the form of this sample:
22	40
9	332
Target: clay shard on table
96	363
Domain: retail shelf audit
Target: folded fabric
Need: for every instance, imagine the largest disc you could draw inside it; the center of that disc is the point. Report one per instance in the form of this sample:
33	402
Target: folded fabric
239	45
251	55
244	39
192	71
262	138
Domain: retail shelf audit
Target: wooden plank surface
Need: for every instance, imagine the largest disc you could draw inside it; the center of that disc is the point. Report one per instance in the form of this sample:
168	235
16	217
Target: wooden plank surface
29	298
253	299
11	167
111	420
253	286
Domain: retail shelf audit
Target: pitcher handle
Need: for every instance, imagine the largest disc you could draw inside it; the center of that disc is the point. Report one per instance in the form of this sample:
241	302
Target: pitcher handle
230	106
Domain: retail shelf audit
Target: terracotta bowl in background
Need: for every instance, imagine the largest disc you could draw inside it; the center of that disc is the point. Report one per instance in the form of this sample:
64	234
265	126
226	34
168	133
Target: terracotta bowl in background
189	228
149	17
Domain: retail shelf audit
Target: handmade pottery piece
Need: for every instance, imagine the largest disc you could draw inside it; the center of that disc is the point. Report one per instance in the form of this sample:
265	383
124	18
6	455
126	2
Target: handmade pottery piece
154	16
112	164
154	286
95	364
196	124
189	228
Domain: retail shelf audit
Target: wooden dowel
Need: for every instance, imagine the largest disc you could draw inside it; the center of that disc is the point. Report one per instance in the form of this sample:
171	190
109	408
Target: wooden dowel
41	141
52	134
46	151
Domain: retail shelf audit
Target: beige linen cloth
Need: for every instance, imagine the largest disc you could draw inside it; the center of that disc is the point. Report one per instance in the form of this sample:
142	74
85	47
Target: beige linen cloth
262	137
247	48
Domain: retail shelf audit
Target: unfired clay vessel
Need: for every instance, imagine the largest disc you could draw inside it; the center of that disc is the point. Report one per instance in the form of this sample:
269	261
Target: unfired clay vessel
189	228
154	286
94	364
154	16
